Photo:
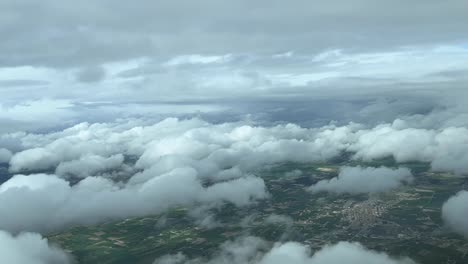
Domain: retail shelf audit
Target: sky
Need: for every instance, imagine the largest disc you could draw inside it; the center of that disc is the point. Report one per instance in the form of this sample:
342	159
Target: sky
63	63
210	90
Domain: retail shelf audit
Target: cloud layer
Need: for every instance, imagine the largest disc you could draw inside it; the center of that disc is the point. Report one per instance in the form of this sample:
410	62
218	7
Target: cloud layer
238	145
150	167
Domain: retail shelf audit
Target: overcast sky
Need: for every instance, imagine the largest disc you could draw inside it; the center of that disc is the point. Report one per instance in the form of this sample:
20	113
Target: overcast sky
61	61
60	34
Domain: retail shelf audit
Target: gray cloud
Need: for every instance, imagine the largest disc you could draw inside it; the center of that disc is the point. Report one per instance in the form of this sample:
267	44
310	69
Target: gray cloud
364	180
21	83
86	33
373	62
91	74
369	87
5	155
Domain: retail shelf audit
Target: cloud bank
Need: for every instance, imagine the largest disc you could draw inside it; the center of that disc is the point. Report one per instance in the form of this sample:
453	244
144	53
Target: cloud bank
211	147
364	180
151	167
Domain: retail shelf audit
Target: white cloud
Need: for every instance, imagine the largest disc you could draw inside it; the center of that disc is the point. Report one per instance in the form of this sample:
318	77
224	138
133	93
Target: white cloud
351	253
214	147
160	146
45	202
29	248
173	157
89	165
253	250
455	213
446	149
195	151
364	180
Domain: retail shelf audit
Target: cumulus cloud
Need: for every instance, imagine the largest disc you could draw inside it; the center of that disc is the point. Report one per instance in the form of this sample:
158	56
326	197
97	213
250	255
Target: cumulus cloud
161	146
364	180
253	250
455	213
45	202
29	248
445	148
171	163
214	162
